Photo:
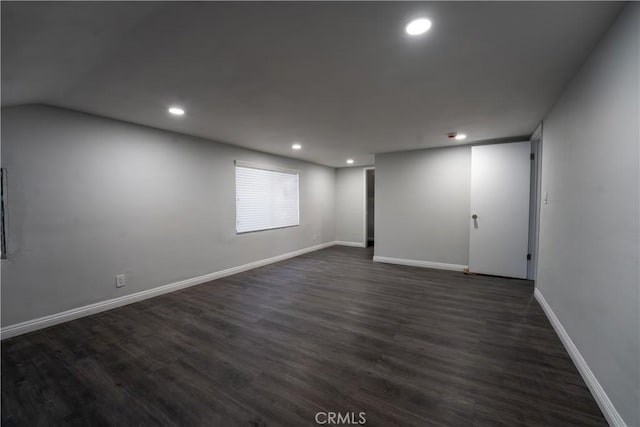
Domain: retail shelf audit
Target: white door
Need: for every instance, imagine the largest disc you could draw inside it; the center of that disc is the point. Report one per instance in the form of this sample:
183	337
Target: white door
499	222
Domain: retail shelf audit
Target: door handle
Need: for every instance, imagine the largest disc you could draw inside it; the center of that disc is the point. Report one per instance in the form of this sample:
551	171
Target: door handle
474	216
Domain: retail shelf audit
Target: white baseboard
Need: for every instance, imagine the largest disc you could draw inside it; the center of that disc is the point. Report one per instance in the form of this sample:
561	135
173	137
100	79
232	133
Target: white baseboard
87	310
418	263
600	396
356	244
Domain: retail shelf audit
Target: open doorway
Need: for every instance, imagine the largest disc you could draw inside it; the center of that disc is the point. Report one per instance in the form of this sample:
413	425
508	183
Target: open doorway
369	211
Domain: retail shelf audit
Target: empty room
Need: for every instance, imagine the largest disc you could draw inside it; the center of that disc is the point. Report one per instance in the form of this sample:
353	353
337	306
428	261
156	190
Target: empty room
320	213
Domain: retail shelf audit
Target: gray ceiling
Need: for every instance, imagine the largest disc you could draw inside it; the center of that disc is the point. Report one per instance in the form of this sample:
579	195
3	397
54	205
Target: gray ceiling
342	78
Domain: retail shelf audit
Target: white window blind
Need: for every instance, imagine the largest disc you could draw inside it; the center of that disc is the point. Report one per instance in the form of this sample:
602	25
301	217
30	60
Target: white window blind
265	198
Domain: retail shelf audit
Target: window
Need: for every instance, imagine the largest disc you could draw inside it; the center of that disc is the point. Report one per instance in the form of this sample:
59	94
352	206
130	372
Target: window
266	198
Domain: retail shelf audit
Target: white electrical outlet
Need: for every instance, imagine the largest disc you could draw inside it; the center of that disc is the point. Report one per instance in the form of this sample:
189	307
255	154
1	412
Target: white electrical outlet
120	282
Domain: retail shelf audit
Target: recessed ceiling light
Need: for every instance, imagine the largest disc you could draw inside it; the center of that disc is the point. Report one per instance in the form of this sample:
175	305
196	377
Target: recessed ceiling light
350	161
418	26
296	146
176	111
457	136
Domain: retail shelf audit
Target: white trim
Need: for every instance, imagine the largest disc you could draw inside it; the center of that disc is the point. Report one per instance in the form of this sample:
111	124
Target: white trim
600	396
75	313
418	263
356	244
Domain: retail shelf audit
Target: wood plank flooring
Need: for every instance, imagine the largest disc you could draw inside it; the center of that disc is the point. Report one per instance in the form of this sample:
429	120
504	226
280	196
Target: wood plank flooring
326	331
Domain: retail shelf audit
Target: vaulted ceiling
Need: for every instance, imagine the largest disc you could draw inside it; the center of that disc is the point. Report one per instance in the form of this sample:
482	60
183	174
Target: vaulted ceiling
341	78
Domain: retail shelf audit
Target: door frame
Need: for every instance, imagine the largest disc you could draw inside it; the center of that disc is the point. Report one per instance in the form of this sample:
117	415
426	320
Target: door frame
535	198
365	237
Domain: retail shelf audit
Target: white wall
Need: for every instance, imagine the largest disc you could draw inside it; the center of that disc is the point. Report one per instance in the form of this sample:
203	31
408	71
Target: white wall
422	205
350	205
90	198
589	253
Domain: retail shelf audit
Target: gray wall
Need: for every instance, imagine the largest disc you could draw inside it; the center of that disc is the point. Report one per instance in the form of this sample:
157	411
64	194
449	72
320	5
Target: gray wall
90	198
589	233
350	204
422	205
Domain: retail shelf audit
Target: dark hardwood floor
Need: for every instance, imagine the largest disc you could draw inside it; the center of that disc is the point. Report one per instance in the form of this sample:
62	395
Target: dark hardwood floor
326	331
